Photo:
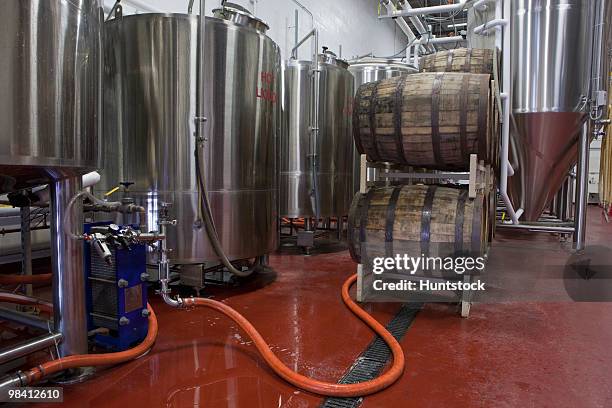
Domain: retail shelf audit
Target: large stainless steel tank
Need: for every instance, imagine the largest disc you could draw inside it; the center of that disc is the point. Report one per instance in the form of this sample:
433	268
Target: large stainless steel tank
551	60
334	147
50	85
370	69
150	96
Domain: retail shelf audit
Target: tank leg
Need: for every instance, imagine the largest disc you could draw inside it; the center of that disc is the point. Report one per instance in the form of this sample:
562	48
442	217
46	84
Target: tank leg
305	238
68	278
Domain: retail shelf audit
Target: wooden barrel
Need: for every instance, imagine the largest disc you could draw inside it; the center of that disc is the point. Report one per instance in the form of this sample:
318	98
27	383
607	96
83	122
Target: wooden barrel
417	220
474	60
430	120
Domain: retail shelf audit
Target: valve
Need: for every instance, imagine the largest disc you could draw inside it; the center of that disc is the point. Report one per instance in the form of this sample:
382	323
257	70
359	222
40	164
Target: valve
126	185
98	242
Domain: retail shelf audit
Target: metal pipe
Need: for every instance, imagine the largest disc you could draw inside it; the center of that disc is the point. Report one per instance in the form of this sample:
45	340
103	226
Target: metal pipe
421	11
484	29
29	347
163	263
582	192
440	40
598	54
481	5
538	228
25	318
506	83
294	50
569	197
67	262
26	247
300	5
5	231
315	131
415	20
200	118
296	28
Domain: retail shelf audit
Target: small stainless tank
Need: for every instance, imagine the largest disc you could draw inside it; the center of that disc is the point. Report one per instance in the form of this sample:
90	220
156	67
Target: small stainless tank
50	106
150	97
334	148
371	69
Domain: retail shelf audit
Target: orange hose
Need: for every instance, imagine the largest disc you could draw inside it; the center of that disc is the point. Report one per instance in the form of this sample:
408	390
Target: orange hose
27	301
92	360
309	384
18	279
298	380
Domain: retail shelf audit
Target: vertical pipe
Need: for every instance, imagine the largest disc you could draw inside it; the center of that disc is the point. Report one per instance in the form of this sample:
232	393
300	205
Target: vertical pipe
582	184
569	206
562	215
67	262
297	28
201	92
26	247
316	72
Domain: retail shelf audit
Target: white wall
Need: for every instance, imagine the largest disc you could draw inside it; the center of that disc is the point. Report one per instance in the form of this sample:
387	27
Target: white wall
350	23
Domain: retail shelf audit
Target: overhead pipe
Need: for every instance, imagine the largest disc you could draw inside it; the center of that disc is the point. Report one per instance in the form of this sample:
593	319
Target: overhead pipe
482	5
421	11
484	29
440	40
403	25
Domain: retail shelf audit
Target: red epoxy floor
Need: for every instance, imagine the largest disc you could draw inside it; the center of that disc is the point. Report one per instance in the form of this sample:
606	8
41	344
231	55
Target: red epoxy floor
505	355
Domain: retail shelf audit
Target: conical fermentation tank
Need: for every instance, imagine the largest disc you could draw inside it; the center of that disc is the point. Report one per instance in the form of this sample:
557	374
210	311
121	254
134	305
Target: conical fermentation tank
150	105
50	108
550	58
334	151
371	69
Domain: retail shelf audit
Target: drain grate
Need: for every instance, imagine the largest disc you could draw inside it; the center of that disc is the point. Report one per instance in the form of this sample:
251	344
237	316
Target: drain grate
371	362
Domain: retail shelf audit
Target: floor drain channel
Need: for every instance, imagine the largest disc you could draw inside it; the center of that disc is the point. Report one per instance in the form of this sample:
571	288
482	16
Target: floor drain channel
371	362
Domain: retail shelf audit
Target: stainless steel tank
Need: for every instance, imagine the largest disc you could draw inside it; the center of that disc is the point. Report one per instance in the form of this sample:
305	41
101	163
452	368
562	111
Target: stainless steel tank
150	96
551	44
334	147
369	69
50	107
